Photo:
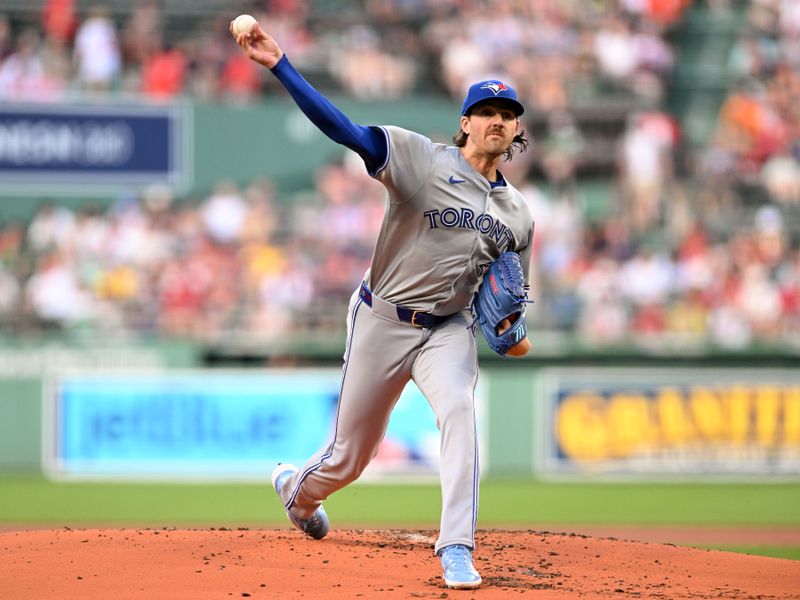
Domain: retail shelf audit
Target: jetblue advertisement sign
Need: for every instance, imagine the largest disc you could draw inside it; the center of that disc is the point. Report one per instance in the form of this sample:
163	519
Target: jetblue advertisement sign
70	147
201	424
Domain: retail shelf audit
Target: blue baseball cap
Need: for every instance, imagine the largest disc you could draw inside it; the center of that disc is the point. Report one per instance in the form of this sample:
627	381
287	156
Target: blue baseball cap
491	89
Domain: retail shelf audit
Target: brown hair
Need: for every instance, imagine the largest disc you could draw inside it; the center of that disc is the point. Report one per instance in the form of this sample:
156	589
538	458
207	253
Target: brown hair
520	142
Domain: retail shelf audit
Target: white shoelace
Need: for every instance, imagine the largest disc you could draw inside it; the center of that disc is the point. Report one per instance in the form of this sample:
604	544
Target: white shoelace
458	557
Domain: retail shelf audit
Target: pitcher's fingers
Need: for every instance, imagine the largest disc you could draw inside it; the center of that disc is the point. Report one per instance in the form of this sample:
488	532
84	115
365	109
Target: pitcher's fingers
503	326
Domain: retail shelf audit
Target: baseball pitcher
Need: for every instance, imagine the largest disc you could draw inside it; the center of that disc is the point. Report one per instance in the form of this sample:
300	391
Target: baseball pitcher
450	215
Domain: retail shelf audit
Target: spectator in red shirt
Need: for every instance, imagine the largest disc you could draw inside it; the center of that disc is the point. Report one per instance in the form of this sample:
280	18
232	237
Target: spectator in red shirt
241	79
58	20
163	73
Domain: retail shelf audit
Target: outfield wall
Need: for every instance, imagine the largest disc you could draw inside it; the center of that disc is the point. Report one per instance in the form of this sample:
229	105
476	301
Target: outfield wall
551	422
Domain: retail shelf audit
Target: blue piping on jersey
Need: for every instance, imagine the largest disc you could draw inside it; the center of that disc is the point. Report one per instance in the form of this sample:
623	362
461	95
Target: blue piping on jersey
329	452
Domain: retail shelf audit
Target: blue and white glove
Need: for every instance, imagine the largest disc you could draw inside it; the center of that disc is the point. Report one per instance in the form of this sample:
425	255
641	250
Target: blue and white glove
500	296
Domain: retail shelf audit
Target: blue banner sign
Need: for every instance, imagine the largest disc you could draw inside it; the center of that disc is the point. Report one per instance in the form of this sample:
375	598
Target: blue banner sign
205	424
92	148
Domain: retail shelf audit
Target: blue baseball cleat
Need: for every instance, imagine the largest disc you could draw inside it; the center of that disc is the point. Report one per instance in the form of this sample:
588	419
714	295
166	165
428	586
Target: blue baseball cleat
459	573
317	525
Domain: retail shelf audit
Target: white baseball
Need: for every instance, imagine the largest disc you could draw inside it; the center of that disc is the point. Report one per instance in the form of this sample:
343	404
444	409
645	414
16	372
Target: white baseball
243	24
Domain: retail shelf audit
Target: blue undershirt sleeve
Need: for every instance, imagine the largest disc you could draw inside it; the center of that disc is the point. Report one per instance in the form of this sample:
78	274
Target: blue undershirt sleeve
369	142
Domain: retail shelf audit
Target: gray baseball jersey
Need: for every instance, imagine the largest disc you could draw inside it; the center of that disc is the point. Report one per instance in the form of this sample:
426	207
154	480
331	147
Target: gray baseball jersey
443	224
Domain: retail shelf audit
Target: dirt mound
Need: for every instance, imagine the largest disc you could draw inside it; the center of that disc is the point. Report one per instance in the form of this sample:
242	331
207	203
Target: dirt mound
119	564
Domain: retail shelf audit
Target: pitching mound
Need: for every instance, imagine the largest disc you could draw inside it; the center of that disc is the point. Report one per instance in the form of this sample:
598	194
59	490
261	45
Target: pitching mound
220	563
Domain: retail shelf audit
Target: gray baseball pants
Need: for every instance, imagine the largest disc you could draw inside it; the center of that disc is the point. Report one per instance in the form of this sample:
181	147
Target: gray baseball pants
381	355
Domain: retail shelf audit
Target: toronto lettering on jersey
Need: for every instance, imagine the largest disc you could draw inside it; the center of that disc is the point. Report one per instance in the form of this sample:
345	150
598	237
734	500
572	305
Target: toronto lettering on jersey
467	219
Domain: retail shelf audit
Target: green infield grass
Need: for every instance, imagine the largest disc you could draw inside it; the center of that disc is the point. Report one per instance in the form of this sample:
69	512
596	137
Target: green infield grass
504	503
33	501
790	552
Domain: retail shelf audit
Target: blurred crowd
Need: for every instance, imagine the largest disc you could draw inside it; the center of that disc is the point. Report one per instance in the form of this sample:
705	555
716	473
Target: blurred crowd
235	263
757	140
685	286
670	261
556	51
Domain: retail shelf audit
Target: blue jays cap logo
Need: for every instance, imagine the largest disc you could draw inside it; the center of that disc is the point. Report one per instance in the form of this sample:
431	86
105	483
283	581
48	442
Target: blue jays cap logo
495	86
486	90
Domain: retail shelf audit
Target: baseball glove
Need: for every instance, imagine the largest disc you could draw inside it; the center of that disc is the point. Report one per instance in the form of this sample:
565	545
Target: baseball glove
500	296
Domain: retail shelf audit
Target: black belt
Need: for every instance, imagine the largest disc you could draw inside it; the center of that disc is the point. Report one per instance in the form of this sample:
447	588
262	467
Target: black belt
416	317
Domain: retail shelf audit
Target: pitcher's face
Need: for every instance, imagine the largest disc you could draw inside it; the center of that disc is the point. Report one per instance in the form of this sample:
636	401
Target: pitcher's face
491	126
